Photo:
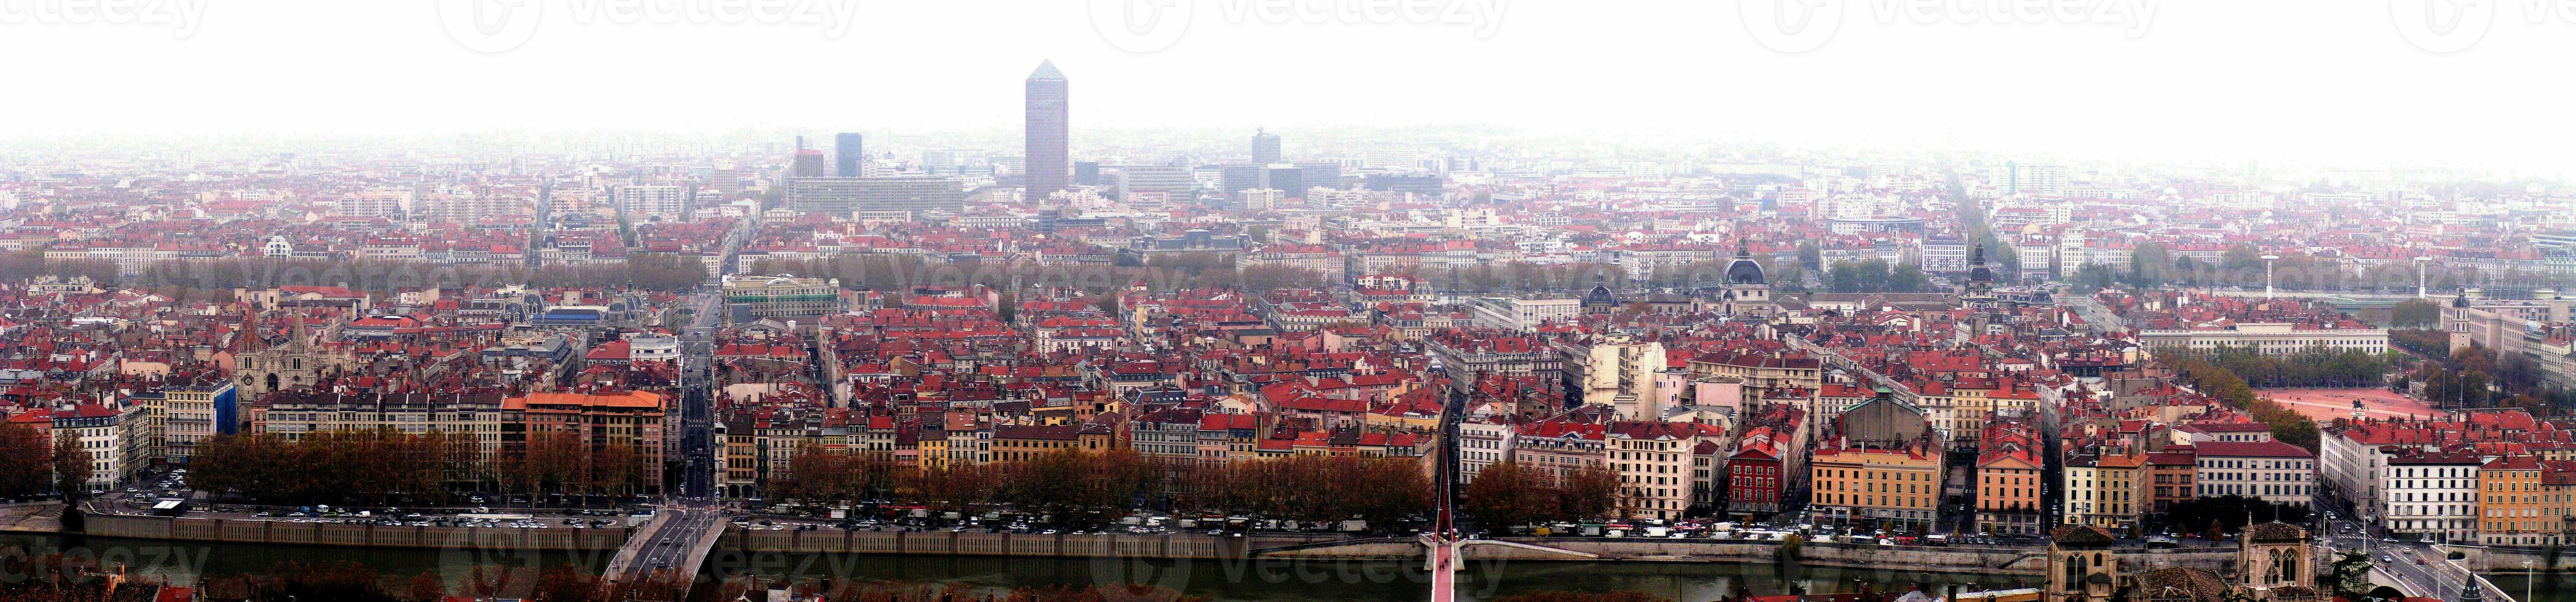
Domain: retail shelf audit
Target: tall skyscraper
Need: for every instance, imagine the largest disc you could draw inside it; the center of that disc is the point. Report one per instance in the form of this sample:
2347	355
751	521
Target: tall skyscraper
1265	147
1048	145
846	152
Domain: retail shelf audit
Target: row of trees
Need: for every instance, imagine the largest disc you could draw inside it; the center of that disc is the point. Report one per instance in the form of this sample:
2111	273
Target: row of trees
20	265
1304	487
2311	367
214	278
2477	377
1057	482
1381	490
891	273
2415	313
29	466
2004	259
649	271
1505	494
376	466
896	273
2151	265
1874	275
2288	426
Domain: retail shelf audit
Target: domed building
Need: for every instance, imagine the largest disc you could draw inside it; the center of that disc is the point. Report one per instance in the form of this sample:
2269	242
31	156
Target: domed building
1601	301
1745	291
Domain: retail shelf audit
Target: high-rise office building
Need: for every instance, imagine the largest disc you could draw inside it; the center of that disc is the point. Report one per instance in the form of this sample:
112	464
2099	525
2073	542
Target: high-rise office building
1048	155
1423	184
809	164
1086	173
1325	174
1239	178
846	152
1282	177
1265	147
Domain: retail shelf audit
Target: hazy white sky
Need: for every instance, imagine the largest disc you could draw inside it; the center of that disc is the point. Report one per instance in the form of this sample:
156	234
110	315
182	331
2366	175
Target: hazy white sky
2328	80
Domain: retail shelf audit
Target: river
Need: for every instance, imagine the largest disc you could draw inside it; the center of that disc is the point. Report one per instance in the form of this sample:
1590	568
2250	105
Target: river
1228	581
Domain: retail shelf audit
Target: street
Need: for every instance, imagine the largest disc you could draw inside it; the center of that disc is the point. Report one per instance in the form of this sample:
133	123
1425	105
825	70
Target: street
2418	568
669	547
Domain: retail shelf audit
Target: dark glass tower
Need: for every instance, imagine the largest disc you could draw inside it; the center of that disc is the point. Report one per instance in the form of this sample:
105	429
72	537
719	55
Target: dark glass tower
1265	147
1047	160
845	155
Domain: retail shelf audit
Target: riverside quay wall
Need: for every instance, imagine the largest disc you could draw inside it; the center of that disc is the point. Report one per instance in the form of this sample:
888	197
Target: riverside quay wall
2012	561
1062	545
1954	559
375	536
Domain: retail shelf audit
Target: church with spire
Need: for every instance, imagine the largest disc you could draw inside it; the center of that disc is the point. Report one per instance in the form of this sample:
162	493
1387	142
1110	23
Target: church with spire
1979	291
2275	562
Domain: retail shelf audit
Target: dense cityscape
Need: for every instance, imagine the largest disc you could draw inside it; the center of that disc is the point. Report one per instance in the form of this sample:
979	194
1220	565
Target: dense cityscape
1250	363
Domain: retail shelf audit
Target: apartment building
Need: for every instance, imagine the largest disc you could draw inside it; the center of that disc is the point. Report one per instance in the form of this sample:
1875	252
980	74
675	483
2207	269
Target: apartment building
631	419
2103	491
2511	511
2431	495
292	416
2273	471
1867	487
177	418
1653	460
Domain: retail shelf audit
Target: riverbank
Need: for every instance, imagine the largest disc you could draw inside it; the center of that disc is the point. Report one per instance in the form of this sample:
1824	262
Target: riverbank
275	532
1191	546
1265	577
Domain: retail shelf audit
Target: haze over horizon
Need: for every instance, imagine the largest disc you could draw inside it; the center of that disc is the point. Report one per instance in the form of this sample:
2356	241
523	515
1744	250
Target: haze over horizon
2198	81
